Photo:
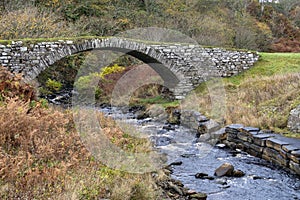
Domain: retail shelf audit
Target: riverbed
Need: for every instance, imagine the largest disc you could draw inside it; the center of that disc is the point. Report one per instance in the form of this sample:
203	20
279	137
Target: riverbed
262	180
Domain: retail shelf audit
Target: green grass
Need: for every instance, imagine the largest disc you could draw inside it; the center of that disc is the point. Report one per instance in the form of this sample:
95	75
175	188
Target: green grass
28	41
270	64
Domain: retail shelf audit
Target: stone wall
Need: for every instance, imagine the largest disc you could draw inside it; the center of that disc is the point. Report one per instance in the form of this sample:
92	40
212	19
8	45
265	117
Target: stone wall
265	144
181	66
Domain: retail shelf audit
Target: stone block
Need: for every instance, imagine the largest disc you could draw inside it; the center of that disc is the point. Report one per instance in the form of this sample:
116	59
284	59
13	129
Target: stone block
294	156
242	136
258	149
259	142
275	157
233	139
231	145
255	153
231	135
295	167
296	153
260	139
250	129
290	148
275	143
245	146
269	153
235	126
283	154
279	160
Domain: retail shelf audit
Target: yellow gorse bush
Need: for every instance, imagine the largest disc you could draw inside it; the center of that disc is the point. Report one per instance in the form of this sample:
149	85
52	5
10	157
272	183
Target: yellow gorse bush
111	69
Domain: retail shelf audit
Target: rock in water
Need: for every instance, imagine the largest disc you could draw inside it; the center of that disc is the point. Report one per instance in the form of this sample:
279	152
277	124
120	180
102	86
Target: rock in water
224	170
169	127
200	175
140	114
199	196
238	173
176	163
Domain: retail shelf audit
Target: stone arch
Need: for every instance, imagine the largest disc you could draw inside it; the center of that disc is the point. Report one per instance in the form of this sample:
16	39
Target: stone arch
155	58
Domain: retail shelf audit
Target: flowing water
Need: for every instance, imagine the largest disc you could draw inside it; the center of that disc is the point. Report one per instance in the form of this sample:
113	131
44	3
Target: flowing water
262	180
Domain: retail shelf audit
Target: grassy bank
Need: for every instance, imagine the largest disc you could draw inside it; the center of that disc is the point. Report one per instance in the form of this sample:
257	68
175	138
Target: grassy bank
262	96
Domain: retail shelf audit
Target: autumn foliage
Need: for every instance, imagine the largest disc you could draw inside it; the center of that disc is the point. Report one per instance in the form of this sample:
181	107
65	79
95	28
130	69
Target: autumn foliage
42	156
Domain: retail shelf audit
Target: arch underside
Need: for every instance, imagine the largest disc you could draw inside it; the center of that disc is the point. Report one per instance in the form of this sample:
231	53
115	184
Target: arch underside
170	79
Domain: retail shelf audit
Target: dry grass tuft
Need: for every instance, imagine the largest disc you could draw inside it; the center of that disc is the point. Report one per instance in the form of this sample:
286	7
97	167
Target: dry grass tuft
263	102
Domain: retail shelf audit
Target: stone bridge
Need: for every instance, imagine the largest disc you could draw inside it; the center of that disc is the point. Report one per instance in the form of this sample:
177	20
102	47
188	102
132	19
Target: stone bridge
181	66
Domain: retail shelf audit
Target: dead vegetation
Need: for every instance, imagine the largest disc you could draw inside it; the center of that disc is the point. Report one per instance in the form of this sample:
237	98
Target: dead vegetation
42	156
260	101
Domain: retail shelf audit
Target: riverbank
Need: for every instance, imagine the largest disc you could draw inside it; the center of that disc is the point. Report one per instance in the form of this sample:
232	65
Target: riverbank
262	96
42	155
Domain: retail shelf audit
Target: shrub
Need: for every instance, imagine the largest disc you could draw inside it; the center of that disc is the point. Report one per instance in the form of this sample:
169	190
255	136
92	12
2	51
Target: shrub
98	84
110	70
32	23
11	86
53	85
86	83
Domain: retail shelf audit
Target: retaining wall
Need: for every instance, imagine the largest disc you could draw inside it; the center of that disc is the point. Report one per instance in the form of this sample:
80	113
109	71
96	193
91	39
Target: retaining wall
267	145
273	147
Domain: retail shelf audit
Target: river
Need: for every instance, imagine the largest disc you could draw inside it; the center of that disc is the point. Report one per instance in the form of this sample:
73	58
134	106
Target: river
262	180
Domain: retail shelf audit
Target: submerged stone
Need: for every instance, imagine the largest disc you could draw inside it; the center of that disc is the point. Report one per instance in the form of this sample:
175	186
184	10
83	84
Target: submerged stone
199	196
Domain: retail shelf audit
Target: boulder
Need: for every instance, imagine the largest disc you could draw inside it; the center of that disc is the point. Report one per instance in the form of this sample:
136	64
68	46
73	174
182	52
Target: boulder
225	169
294	120
174	116
140	114
157	112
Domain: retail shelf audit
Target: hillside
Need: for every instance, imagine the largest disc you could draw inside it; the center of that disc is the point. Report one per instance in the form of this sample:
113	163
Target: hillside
240	24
